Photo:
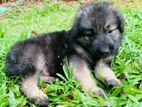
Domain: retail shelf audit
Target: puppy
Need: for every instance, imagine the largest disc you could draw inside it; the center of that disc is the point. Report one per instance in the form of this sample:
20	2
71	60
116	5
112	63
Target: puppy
90	44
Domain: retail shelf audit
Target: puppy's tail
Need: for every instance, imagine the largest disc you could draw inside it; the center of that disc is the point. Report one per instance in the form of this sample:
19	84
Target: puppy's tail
14	67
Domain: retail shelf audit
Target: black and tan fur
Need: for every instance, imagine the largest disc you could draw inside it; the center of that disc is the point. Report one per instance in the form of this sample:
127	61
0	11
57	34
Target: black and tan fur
90	44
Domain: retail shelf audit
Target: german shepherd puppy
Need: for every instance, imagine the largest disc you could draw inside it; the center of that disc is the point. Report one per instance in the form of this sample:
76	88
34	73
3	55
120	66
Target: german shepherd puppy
90	44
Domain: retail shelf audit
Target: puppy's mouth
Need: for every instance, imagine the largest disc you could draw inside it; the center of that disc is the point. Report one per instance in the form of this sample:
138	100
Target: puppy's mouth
99	55
106	54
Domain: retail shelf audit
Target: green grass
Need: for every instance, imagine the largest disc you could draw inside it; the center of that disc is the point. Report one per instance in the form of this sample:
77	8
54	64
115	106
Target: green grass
19	24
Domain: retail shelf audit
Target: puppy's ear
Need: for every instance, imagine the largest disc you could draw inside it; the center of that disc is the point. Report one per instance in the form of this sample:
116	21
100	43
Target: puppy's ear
120	20
80	21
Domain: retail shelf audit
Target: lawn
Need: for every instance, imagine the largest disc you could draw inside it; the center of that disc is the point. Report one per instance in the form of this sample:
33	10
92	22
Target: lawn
27	21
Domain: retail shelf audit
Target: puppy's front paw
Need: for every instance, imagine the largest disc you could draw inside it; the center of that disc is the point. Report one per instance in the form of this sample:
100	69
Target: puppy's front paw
114	82
41	99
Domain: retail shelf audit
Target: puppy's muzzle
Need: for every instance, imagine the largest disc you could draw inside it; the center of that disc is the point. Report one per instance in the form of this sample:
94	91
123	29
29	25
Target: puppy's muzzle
103	46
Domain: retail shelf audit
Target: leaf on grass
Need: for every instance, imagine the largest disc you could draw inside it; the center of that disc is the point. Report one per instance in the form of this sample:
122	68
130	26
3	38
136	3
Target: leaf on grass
12	100
133	98
34	33
61	76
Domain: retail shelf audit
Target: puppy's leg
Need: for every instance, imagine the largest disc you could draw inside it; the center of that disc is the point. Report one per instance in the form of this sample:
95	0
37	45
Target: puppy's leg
29	87
81	73
104	73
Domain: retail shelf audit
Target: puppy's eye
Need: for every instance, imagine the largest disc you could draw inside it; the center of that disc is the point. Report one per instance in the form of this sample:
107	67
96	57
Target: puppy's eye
111	30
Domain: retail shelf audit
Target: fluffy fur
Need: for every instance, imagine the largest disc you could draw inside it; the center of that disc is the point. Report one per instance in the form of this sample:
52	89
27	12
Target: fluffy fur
90	44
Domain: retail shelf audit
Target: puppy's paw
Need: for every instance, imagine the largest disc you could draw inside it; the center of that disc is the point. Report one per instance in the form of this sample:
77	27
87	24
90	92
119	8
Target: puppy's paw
99	92
114	82
41	99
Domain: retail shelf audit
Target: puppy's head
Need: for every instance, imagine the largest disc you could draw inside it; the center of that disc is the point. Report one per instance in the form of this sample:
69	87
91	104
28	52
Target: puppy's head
98	29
